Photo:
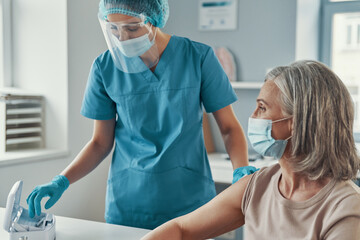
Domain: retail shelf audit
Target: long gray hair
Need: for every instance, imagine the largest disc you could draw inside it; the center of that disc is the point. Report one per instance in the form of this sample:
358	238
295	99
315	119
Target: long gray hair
322	144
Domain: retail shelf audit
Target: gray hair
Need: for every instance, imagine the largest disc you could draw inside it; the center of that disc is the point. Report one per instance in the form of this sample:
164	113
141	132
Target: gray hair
322	144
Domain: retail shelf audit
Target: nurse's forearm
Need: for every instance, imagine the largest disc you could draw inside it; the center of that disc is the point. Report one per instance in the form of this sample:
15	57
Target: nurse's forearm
236	147
233	135
86	161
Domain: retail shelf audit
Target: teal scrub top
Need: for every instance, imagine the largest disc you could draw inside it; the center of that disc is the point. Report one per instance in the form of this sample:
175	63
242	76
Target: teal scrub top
159	168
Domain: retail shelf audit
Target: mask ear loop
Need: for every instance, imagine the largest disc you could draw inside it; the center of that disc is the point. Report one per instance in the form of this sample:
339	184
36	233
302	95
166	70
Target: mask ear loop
288	138
279	120
154	37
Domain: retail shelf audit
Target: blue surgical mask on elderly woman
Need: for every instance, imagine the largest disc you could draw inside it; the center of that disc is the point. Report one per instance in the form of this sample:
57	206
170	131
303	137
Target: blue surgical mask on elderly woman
259	133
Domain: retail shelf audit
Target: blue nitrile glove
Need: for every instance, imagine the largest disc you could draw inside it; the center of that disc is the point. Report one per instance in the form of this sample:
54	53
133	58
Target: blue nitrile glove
243	171
53	189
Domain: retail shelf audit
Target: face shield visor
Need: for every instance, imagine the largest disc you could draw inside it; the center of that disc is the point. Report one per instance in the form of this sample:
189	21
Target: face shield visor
131	44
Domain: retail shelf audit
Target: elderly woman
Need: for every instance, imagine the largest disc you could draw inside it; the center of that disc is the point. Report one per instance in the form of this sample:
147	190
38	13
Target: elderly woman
304	117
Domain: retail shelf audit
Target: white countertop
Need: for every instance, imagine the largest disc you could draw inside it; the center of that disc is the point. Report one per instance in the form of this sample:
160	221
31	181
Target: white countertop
77	229
222	170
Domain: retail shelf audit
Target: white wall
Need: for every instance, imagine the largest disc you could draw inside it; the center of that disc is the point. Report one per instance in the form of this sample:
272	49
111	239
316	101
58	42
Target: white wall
264	38
40	59
55	42
5	46
307	29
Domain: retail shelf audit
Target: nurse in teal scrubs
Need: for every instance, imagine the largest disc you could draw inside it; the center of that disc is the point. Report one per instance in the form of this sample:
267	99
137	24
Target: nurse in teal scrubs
146	94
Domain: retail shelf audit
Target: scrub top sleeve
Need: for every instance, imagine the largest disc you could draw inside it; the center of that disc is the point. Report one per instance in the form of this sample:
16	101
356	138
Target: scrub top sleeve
216	90
96	103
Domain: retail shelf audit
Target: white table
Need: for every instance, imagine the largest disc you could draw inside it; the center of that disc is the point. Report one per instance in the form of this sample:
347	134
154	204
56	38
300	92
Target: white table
222	171
77	229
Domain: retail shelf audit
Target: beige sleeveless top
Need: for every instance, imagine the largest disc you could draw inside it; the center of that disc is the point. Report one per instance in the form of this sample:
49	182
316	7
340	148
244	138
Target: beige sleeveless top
333	213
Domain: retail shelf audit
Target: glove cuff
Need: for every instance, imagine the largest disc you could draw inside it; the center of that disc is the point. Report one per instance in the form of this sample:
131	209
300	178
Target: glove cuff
243	171
246	170
62	181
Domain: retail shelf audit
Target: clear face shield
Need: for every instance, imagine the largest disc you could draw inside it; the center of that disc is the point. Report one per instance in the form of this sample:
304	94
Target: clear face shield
131	44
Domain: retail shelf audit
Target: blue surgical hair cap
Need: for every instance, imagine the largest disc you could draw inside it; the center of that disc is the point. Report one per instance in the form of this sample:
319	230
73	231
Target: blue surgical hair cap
155	11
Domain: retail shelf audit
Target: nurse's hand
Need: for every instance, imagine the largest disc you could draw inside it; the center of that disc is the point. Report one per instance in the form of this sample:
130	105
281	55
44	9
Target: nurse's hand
243	171
53	189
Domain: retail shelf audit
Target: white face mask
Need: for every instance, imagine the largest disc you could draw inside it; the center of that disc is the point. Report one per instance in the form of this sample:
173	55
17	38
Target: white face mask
134	47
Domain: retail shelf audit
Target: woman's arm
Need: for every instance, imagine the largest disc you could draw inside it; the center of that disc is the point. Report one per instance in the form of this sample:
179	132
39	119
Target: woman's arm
347	228
222	214
94	151
233	136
